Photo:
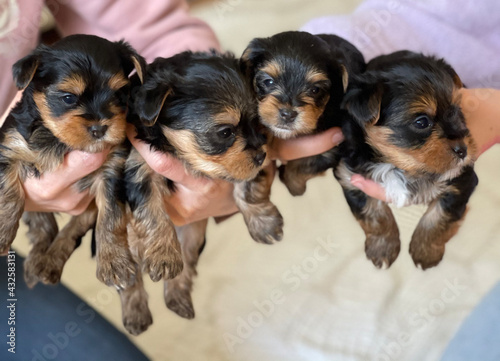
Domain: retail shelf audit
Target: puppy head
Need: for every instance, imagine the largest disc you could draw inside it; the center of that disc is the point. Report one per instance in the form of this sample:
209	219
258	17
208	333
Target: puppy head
80	86
409	108
201	107
294	76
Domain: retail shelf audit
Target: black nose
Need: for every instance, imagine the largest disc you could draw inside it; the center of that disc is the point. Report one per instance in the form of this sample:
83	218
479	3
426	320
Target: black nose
288	115
259	158
98	131
460	150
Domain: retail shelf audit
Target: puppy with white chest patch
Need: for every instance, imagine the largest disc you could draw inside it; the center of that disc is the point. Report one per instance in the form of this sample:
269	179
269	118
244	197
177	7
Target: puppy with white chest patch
408	133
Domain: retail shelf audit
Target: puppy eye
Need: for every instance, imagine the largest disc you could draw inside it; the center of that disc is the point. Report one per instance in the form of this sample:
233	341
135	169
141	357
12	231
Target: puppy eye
422	122
225	132
69	99
315	90
268	82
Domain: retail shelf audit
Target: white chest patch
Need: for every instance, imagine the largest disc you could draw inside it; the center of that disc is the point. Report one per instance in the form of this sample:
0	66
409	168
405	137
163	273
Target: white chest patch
403	191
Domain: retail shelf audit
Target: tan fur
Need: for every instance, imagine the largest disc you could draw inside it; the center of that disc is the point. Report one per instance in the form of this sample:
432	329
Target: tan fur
228	116
12	201
382	243
177	292
136	316
75	84
261	216
314	76
117	81
307	120
236	163
434	230
155	243
72	129
435	156
138	69
272	69
46	265
425	104
268	110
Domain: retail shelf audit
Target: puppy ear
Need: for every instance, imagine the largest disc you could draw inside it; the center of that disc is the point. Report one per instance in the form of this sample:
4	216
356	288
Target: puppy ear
24	70
345	77
157	87
449	69
132	60
362	101
252	56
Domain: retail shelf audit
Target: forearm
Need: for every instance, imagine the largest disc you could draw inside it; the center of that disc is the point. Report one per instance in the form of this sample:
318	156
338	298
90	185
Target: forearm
481	108
154	28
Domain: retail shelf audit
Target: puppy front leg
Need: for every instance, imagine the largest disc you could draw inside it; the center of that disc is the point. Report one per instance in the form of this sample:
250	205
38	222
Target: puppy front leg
156	245
382	243
47	267
136	316
263	219
115	266
441	221
12	205
42	230
178	290
296	173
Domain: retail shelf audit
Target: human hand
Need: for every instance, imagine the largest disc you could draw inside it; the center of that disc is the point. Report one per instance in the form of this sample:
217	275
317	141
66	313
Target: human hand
481	108
199	198
56	191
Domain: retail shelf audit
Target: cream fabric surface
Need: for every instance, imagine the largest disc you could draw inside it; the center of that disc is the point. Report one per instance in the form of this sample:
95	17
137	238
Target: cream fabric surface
314	296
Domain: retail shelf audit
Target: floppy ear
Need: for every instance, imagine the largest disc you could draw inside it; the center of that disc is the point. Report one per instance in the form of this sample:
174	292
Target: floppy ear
362	101
252	56
24	70
456	79
345	77
151	96
132	60
148	103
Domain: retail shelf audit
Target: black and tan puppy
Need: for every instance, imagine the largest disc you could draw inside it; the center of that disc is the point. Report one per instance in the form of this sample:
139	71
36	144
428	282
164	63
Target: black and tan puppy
300	80
75	98
200	108
409	134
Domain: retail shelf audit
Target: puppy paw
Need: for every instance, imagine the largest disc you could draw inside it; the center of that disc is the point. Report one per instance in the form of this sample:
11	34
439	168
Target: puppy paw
46	268
115	266
266	226
164	262
137	316
426	255
294	183
382	251
179	301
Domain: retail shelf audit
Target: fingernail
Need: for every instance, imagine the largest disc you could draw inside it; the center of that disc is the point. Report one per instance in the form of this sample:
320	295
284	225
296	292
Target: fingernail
338	138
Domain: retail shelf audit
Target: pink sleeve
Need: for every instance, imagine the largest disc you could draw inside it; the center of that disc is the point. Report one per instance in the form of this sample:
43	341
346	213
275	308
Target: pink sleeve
466	33
153	27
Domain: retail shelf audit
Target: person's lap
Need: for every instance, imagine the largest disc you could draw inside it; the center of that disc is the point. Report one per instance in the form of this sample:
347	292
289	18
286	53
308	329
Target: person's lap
52	323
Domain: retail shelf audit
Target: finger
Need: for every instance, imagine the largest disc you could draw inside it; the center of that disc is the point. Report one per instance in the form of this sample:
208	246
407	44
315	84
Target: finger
82	205
306	146
76	165
165	164
68	200
18	97
369	187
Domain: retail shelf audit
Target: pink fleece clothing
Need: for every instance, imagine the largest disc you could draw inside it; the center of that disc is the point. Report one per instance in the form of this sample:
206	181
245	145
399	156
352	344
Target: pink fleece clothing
464	32
153	27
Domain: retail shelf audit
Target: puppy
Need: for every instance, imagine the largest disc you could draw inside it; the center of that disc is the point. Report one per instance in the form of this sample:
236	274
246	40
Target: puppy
75	98
300	80
199	108
408	133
